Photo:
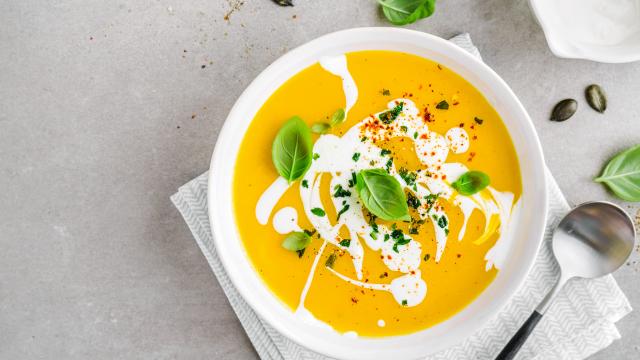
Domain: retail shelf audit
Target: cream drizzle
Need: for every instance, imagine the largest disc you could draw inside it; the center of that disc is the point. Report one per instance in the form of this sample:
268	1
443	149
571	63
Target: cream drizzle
335	159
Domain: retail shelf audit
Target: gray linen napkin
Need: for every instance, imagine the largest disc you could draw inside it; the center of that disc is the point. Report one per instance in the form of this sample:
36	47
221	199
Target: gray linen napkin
579	323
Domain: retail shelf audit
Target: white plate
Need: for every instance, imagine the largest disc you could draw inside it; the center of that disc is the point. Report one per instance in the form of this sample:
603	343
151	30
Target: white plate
598	30
530	223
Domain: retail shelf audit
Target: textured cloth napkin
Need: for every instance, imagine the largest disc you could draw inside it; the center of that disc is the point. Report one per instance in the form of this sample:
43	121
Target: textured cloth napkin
580	322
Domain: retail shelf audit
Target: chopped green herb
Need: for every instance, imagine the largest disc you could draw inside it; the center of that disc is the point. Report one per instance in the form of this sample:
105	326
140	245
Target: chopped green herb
342	211
413	200
408	176
386	237
446	231
318	212
352	181
355	156
413	231
443	105
386	92
301	252
363	139
415	135
388	165
478	120
330	260
443	222
404	128
316	156
431	200
426	257
389	116
340	192
385	152
404	302
400	242
345	242
310	232
305	184
372	162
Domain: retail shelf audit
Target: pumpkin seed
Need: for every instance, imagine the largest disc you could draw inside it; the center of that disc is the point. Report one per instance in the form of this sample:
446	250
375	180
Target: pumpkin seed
283	2
564	110
596	98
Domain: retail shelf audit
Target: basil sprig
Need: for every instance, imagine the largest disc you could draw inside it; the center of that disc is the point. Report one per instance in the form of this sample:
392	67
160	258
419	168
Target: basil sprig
622	174
403	12
382	195
471	182
292	149
296	241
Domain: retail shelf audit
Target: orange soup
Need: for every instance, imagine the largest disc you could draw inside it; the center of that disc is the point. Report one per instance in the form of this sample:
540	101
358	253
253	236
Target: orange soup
373	192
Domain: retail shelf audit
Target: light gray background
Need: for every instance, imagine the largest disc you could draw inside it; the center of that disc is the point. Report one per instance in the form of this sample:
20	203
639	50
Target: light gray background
105	110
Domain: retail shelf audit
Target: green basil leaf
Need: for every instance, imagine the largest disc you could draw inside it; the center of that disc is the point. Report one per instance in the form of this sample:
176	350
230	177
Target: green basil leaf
622	174
296	241
320	128
471	182
382	195
318	212
291	151
403	12
337	118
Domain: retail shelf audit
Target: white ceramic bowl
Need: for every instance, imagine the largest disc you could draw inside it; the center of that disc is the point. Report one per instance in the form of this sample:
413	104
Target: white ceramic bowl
530	224
603	31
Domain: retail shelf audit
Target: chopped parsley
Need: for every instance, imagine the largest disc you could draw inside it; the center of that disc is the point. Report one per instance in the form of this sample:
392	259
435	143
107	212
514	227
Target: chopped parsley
404	302
413	200
415	135
316	156
305	184
478	120
386	92
398	237
388	165
340	192
386	237
342	211
443	105
389	116
318	212
310	232
426	257
372	162
363	139
352	181
385	152
301	252
443	222
355	156
408	176
431	200
404	128
345	242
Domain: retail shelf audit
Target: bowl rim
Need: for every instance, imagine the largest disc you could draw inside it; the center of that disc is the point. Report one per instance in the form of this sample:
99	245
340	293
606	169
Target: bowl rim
556	42
220	156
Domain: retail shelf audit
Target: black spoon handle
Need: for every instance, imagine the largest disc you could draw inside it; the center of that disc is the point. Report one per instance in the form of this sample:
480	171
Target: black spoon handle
511	349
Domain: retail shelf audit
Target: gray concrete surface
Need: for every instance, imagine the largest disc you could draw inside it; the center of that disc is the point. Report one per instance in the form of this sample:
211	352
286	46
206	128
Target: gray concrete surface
106	107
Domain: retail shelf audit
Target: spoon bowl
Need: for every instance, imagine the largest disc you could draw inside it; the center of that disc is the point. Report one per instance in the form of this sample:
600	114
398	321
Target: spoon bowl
593	240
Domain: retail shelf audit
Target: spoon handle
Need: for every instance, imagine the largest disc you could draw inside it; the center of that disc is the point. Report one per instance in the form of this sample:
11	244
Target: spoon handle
511	349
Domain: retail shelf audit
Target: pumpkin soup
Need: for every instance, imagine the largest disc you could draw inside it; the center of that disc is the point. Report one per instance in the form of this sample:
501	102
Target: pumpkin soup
373	193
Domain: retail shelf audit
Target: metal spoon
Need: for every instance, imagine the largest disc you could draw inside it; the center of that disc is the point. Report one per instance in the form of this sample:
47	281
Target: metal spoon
592	240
